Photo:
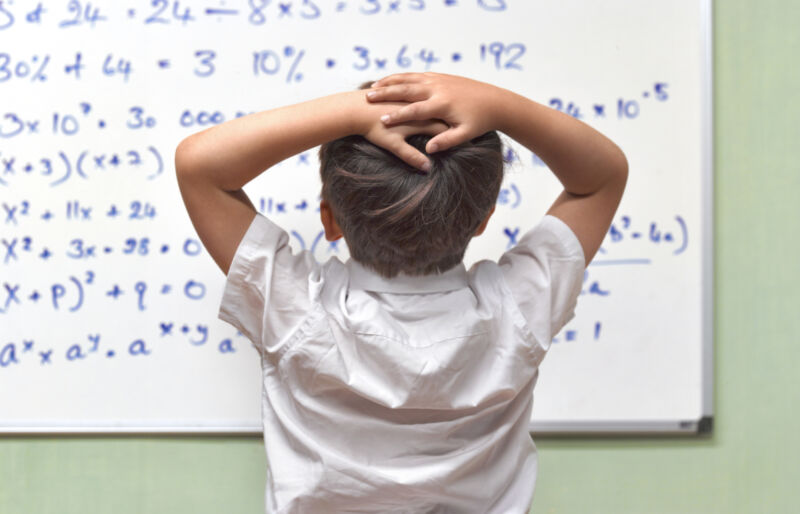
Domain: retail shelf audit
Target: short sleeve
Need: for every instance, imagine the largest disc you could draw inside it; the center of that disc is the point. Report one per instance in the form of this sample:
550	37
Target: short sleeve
544	273
266	291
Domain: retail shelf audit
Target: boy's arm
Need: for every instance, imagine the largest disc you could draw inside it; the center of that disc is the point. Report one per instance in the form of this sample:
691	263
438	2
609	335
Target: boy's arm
592	169
213	165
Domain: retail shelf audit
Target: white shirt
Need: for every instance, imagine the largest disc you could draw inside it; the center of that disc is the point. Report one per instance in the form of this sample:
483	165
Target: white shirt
410	394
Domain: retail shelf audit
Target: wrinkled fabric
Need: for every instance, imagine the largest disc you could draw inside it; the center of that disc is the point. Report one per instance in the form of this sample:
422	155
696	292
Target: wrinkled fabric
402	395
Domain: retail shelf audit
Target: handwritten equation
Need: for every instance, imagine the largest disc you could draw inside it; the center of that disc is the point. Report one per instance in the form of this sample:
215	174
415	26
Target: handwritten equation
95	346
71	293
287	63
75	14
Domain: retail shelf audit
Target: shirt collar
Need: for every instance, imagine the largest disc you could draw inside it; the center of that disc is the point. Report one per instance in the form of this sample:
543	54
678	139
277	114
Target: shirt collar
365	279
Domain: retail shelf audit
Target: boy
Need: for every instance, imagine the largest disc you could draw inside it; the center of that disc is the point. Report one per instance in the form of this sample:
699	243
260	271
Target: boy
398	381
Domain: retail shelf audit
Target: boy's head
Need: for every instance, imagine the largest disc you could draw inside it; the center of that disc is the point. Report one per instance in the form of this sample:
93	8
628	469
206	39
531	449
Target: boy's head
397	219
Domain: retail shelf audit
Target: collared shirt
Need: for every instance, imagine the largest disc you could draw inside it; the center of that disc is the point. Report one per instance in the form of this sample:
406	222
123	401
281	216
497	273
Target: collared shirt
409	394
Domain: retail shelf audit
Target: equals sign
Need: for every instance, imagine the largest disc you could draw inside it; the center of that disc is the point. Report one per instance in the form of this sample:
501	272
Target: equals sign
163	63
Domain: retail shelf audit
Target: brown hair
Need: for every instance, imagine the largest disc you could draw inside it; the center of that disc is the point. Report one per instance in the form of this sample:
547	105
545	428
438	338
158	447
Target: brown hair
398	219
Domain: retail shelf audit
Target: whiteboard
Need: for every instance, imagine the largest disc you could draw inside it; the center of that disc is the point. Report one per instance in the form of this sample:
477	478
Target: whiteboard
108	303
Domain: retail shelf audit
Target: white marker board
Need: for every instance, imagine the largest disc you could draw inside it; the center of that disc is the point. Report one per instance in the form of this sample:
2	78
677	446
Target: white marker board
108	304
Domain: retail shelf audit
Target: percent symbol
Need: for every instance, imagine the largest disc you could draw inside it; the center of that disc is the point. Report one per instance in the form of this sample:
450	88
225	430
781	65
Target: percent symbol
293	75
39	73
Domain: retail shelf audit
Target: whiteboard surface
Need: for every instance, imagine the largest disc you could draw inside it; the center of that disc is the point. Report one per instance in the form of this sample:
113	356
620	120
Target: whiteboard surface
108	304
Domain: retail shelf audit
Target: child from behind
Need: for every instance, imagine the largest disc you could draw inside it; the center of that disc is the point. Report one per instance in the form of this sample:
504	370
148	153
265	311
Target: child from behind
399	381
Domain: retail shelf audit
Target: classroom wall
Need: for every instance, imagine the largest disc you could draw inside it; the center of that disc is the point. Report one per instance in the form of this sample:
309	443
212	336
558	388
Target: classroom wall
748	464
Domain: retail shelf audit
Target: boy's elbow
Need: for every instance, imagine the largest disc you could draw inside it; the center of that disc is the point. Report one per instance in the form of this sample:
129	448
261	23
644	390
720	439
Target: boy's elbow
184	157
619	168
189	160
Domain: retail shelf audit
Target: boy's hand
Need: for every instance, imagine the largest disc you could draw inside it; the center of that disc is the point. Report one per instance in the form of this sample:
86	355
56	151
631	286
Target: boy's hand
367	118
467	106
394	139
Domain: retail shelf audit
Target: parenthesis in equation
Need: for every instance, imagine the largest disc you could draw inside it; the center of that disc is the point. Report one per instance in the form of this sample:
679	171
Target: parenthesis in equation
66	165
685	233
160	161
316	241
80	163
80	294
517	195
299	238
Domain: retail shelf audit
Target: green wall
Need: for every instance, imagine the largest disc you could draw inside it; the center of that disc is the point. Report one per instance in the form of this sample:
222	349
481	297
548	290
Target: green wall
751	463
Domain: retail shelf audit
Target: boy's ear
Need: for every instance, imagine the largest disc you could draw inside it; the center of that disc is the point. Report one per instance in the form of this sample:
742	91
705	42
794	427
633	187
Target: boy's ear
332	230
485	222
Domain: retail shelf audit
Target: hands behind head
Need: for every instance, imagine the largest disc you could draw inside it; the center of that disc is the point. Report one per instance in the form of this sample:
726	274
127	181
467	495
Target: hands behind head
456	109
393	138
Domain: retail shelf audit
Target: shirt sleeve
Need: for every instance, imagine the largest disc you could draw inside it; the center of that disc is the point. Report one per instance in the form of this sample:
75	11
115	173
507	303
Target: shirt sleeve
544	273
266	291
